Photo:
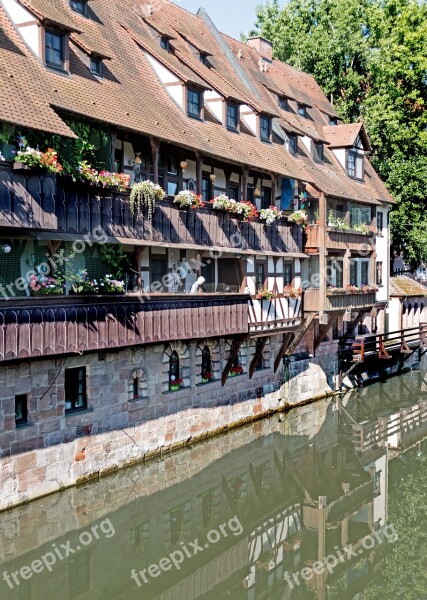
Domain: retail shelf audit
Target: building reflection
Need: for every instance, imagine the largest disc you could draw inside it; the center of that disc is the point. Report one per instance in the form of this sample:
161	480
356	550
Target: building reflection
302	486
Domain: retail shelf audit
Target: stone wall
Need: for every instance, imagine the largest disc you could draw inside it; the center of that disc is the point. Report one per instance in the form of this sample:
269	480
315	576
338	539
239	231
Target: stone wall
55	450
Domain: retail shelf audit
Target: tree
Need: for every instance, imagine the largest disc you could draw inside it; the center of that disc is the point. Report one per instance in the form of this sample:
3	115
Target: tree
370	58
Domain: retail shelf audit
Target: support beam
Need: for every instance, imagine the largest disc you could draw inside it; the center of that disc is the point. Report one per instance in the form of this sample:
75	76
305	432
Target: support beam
155	155
199	173
245	177
322	254
352	326
138	256
234	352
299	334
324	330
258	356
286	341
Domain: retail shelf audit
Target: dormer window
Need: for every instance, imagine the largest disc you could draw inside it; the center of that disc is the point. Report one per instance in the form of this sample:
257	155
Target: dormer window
283	103
333	121
355	164
203	57
79	6
318	152
232	117
96	65
55	49
293	144
165	43
265	128
302	110
194	103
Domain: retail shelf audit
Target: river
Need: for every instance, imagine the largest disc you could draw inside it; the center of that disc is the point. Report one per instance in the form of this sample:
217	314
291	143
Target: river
327	501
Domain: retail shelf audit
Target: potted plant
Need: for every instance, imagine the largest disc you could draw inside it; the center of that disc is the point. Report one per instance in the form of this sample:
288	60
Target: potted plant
175	383
31	158
145	193
236	370
270	215
207	377
291	292
81	284
246	209
265	295
40	285
299	217
187	199
114	181
111	286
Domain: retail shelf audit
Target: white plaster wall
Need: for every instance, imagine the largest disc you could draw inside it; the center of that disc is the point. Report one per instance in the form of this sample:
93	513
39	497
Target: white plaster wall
250	118
340	155
31	37
18	14
176	92
215	102
307	142
382	250
394	314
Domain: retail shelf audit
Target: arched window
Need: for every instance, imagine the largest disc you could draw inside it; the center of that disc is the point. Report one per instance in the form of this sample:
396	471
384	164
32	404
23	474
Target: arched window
207	374
135	388
174	376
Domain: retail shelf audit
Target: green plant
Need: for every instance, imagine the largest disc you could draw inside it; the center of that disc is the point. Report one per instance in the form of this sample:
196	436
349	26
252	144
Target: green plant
338	222
115	258
145	194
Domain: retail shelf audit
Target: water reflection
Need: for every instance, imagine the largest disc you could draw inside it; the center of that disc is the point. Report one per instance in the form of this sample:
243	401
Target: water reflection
250	515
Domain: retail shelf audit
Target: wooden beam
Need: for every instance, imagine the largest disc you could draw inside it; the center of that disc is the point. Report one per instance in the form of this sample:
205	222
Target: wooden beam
324	330
234	351
352	326
245	178
286	341
299	334
155	155
258	356
199	172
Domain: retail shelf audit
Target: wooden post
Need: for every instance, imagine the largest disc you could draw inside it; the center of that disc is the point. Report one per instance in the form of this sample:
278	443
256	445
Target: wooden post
155	154
199	173
138	255
322	255
346	269
273	189
245	173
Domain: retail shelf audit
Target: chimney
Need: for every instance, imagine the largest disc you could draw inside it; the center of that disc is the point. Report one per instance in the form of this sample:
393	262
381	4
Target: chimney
262	46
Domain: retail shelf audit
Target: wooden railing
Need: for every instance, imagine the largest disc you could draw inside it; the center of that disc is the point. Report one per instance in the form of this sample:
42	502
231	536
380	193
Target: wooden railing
335	302
34	200
275	315
337	239
50	326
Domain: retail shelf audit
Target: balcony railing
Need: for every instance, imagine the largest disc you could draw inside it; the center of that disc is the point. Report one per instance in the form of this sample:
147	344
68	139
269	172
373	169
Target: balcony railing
274	315
337	239
35	327
31	200
336	302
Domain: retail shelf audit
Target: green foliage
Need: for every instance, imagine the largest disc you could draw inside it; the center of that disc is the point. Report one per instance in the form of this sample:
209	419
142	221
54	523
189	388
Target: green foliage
370	58
116	259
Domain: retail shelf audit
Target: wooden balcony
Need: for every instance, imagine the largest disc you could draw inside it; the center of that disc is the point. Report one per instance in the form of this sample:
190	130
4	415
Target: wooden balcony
337	302
39	201
34	327
274	316
338	239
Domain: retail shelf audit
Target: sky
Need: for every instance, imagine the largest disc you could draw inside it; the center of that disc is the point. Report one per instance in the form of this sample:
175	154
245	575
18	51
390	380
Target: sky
230	16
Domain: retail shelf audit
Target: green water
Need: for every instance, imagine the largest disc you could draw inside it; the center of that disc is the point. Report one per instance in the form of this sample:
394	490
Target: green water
326	502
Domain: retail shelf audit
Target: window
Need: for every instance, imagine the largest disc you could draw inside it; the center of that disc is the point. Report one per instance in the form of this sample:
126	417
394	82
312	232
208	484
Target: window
194	103
55	50
266	197
379	273
355	164
259	346
136	388
206	364
302	110
380	221
233	192
174	378
333	121
159	268
265	128
96	65
364	272
79	6
335	272
359	272
232	116
165	44
318	152
250	193
21	409
75	389
287	274
283	103
204	59
293	144
259	276
360	215
353	272
206	189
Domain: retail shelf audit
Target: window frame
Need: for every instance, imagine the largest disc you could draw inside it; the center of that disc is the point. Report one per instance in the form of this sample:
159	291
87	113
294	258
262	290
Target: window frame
379	272
266	191
284	103
293	143
265	119
288	273
260	265
97	60
233	191
236	116
84	10
64	45
318	152
302	110
190	92
23	420
206	189
380	222
333	121
75	384
165	43
353	156
206	361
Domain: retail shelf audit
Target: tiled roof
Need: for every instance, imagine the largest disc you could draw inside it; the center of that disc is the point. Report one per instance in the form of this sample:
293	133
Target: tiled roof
344	136
130	96
405	286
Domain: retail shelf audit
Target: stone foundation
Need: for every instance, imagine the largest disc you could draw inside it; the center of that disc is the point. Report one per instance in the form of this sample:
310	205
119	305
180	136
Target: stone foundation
56	449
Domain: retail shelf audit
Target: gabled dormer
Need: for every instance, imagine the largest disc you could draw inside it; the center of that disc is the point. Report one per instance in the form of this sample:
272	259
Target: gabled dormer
350	144
79	6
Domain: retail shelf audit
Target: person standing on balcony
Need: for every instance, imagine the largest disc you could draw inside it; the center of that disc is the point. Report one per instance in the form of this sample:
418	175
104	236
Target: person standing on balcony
197	287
